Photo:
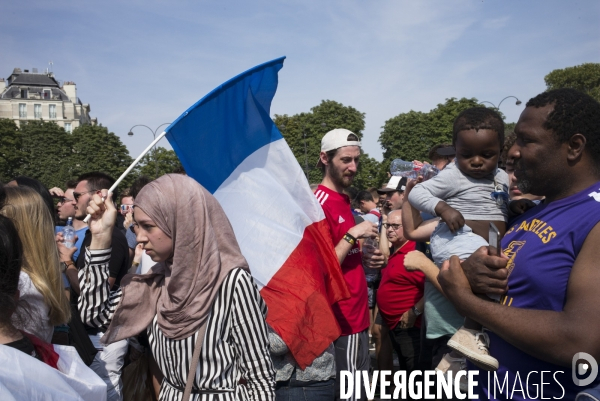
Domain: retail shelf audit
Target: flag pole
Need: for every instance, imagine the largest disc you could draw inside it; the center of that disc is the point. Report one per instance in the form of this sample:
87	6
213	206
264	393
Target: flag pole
131	166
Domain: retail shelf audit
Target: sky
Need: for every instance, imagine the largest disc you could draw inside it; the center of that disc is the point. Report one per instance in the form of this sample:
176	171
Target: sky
145	62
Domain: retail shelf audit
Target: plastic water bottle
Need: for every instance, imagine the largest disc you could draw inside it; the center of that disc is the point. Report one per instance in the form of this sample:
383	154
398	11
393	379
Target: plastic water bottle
401	167
412	170
69	233
371	243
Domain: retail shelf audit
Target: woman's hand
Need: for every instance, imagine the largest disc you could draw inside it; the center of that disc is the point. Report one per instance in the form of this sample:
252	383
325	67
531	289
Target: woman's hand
102	222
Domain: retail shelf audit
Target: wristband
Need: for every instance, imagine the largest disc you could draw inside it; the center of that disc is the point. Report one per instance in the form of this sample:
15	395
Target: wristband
349	238
135	264
416	311
65	265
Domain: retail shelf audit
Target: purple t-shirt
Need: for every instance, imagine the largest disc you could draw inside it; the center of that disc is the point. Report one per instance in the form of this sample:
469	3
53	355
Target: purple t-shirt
542	245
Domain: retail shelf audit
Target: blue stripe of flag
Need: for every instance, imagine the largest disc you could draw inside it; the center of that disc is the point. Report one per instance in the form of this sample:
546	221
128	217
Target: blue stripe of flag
226	126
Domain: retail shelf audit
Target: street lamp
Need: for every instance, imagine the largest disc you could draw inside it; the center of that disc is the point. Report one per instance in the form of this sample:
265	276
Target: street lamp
130	133
518	102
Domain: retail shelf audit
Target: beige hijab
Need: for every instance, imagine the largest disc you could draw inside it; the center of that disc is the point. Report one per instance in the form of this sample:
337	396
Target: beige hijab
205	250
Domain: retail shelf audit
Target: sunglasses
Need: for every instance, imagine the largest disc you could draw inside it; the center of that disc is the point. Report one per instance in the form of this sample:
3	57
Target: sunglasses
394	226
126	208
76	195
64	200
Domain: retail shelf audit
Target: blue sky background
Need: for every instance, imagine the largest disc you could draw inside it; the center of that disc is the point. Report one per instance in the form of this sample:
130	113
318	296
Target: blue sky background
145	62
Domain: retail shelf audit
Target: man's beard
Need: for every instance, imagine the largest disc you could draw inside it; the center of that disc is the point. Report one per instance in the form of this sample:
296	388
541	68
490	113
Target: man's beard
339	178
524	185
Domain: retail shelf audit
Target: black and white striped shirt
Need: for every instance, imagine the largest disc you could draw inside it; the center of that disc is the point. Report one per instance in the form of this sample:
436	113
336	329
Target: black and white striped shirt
235	344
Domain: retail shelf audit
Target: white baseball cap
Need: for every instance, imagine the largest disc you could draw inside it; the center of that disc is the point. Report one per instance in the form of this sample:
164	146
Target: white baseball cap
335	139
396	183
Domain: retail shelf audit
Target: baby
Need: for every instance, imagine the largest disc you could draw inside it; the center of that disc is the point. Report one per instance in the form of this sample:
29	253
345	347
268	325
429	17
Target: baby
468	195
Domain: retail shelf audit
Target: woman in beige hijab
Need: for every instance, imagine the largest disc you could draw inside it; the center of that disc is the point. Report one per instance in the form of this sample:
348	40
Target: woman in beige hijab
203	313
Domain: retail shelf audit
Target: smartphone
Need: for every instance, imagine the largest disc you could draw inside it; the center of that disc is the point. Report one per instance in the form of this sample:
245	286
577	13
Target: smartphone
494	240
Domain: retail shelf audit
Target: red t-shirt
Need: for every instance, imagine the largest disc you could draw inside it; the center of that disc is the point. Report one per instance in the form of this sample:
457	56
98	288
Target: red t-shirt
352	314
399	289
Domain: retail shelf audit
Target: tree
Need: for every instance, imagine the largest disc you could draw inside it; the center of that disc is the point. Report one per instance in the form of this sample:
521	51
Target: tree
409	136
46	150
303	133
11	154
94	148
168	162
584	77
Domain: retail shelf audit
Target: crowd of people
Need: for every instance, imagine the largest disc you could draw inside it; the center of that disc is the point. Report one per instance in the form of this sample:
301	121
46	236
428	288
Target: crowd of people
157	274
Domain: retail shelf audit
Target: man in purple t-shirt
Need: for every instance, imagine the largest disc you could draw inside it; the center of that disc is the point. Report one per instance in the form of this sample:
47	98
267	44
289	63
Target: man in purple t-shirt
549	277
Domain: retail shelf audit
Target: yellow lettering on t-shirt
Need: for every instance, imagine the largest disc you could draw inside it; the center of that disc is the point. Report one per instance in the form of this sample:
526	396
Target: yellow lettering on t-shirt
524	226
549	237
534	224
539	227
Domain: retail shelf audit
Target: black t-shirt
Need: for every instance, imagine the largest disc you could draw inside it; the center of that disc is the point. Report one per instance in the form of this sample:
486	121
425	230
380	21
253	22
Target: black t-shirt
24	345
119	257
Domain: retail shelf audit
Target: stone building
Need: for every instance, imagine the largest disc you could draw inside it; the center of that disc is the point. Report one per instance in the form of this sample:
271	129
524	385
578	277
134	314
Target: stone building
31	95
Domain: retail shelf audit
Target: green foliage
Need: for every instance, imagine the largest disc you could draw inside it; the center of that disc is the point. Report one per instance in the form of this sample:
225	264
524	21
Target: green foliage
584	77
303	133
46	153
168	162
11	154
96	149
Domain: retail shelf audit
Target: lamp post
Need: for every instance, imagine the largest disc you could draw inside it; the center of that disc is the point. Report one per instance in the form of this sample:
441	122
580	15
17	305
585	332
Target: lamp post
130	133
518	102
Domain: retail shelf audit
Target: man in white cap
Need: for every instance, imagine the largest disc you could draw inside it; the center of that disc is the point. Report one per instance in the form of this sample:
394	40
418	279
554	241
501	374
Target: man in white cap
340	154
394	192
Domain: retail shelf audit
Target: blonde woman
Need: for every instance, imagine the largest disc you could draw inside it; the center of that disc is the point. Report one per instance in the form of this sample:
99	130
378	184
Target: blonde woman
43	303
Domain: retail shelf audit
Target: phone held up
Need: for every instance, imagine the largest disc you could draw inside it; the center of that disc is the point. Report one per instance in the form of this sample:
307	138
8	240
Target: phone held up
494	240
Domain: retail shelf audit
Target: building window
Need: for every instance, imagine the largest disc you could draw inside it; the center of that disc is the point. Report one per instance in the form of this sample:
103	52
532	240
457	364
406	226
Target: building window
23	93
37	110
68	127
53	111
22	110
47	93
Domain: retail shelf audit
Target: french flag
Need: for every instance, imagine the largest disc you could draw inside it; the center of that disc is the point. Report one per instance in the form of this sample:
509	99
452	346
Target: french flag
229	144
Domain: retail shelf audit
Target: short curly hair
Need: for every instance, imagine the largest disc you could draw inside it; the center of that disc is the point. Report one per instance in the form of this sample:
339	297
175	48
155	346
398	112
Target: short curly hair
479	118
509	141
574	113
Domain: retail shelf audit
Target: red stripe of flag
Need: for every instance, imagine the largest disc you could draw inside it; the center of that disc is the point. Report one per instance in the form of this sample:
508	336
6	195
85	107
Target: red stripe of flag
300	295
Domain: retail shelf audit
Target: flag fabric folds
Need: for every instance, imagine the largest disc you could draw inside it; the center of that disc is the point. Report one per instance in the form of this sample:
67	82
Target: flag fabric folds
229	144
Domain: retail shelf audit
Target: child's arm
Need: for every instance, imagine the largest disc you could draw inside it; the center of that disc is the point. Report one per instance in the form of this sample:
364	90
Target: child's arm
452	217
429	196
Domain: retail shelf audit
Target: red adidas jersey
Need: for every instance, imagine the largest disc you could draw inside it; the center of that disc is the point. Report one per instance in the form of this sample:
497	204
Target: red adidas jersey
353	313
